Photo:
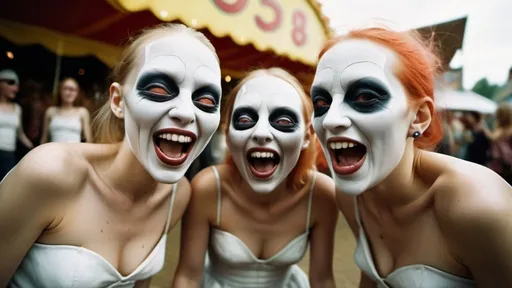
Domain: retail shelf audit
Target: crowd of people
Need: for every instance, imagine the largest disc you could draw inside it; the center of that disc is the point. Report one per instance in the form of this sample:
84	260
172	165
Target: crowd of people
97	214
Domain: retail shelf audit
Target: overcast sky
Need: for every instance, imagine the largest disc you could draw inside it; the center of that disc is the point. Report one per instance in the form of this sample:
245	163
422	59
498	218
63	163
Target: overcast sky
487	48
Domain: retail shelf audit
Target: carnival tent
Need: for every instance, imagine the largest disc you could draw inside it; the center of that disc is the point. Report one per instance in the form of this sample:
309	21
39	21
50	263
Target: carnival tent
464	101
246	34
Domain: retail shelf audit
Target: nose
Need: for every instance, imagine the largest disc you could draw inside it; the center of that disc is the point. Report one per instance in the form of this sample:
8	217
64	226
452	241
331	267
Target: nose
262	133
183	113
336	120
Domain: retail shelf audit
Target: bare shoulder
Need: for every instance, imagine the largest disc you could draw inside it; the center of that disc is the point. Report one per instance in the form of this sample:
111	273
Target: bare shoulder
83	112
324	190
52	168
50	111
471	199
183	192
204	187
324	198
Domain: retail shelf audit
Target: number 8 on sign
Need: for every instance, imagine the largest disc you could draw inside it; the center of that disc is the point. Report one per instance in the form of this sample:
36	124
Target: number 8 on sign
299	25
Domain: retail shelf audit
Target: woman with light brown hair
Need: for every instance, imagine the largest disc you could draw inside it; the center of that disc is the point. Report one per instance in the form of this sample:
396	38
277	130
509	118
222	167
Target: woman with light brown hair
97	215
255	215
65	122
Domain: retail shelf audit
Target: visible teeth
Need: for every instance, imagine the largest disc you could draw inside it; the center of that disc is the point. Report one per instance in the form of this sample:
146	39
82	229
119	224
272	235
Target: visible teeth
342	145
262	155
175	137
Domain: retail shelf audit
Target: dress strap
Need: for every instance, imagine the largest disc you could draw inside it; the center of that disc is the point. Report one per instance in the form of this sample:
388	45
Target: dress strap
217	180
171	205
356	212
308	219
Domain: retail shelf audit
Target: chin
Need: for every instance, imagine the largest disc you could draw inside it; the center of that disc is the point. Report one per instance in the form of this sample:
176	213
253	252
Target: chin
350	187
167	177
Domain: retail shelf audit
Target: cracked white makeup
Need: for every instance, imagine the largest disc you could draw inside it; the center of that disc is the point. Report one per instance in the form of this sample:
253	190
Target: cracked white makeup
173	107
267	132
361	113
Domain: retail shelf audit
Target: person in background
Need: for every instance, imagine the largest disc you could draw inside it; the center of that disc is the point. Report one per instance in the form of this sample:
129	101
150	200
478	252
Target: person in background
11	127
66	122
501	142
477	150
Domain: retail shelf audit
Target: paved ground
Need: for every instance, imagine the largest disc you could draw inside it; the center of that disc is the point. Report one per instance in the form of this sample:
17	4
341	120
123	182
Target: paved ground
345	271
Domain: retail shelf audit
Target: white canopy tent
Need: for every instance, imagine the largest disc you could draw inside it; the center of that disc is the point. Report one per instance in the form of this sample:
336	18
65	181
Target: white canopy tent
464	101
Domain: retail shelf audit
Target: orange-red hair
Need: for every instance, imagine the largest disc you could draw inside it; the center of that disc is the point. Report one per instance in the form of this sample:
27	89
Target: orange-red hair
299	175
417	70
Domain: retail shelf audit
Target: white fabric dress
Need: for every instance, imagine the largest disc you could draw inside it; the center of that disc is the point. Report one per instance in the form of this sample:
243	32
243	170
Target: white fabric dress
230	263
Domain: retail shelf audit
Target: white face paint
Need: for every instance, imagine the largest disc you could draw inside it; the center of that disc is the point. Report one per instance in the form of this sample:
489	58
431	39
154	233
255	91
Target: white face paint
361	115
172	109
267	132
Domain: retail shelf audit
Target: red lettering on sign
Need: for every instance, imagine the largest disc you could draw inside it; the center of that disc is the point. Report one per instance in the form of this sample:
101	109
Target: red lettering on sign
299	35
278	12
231	8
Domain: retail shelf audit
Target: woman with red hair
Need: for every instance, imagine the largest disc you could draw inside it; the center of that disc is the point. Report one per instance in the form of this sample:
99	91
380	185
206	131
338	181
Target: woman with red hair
421	219
256	214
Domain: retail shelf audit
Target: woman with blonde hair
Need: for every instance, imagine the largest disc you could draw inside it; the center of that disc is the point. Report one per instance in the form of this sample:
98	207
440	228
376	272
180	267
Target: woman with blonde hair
421	219
255	215
97	215
65	122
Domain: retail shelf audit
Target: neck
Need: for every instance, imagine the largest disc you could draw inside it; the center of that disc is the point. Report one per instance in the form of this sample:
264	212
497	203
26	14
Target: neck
263	199
66	105
127	176
402	186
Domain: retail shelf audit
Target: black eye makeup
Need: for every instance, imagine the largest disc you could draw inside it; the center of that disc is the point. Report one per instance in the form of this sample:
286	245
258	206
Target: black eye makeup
157	87
244	118
284	120
207	99
321	101
367	95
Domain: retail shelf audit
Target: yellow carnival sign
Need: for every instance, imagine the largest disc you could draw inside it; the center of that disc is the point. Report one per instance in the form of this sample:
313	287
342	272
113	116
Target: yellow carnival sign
294	28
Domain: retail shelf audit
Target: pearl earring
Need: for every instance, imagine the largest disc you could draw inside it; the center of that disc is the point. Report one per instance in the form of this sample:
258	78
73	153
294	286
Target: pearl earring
416	134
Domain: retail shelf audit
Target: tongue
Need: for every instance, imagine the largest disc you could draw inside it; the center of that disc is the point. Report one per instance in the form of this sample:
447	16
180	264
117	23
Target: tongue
171	149
348	157
263	165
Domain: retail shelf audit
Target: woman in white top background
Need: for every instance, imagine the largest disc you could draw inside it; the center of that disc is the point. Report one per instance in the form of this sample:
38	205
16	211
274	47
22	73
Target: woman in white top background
66	122
10	121
97	215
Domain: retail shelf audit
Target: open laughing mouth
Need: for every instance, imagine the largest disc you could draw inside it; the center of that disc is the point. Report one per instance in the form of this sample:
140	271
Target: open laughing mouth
347	155
173	145
263	162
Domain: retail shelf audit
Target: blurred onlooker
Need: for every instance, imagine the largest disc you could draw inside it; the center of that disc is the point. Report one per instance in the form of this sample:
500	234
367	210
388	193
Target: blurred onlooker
447	145
462	137
501	147
10	121
66	122
477	150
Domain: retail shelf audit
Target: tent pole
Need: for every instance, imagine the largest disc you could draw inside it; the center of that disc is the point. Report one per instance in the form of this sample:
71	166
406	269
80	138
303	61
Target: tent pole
58	62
